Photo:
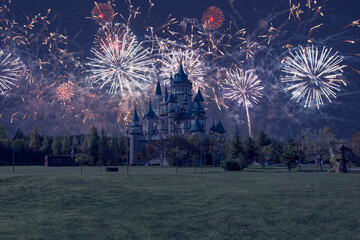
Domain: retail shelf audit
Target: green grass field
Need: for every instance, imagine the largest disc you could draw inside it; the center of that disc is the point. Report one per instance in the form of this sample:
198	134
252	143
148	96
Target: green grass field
151	203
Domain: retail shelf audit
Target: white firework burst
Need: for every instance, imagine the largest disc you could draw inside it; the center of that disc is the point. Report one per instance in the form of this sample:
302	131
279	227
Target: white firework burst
312	74
11	70
243	87
192	64
122	63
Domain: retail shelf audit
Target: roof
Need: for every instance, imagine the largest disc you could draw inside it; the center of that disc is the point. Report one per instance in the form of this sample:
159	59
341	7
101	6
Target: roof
196	127
135	117
220	128
198	108
213	128
181	76
171	98
198	97
150	113
166	94
158	89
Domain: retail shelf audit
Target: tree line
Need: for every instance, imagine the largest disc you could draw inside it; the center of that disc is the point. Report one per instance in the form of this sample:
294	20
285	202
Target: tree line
90	148
235	151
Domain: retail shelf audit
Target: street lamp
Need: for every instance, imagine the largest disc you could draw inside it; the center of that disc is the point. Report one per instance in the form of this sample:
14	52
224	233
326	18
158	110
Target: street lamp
127	151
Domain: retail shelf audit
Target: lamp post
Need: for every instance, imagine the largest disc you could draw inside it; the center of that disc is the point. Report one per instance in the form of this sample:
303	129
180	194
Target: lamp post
13	158
127	151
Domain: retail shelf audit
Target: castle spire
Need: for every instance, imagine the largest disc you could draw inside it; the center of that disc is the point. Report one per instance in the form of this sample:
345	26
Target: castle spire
198	97
150	113
135	117
158	89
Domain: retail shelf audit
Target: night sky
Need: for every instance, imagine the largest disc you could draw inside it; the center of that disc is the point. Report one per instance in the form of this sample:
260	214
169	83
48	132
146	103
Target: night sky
275	113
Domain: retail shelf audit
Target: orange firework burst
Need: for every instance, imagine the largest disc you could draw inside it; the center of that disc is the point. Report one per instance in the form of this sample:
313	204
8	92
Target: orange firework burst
102	13
212	18
65	91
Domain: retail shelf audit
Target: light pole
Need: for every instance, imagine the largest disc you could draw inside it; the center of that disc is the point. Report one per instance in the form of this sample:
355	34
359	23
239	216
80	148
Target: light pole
127	151
201	157
13	158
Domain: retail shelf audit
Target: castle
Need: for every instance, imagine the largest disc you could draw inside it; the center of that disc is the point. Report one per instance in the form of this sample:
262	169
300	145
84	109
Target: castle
174	113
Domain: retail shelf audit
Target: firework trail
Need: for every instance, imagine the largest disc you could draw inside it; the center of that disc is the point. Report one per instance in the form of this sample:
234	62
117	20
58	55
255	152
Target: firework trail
313	74
11	70
123	63
243	87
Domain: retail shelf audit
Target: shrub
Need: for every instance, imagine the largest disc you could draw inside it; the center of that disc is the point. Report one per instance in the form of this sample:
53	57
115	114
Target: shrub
233	165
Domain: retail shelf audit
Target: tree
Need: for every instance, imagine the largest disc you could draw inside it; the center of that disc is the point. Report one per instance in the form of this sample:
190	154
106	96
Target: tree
46	146
262	140
250	153
104	147
2	132
66	145
156	150
35	140
93	144
19	134
21	152
56	146
235	149
355	143
290	155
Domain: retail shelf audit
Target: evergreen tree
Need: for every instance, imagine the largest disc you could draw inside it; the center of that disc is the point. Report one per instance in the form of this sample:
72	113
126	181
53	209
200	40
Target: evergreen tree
93	144
56	146
35	140
66	145
262	139
104	147
235	147
19	134
114	150
2	132
46	146
250	153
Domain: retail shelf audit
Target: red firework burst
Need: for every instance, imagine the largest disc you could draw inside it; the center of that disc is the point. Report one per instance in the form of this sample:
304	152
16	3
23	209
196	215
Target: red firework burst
212	18
108	34
64	92
102	13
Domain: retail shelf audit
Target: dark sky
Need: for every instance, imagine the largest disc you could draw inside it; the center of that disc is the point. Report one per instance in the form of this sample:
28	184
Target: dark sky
276	114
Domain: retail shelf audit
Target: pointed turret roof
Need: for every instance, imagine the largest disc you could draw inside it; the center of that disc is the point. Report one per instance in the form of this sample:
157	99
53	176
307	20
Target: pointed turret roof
198	108
196	127
213	128
220	128
150	113
171	98
135	117
181	76
158	89
166	94
198	97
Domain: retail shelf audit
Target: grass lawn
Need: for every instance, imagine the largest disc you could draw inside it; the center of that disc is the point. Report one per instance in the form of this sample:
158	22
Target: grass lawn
151	203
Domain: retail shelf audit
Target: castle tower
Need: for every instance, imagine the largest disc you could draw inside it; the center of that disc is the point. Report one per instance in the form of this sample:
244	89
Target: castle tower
157	99
135	134
148	123
181	86
196	128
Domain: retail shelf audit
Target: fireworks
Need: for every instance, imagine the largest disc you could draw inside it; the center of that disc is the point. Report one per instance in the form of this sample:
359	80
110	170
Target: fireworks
102	13
65	91
212	18
11	70
124	64
109	33
312	74
243	87
192	63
